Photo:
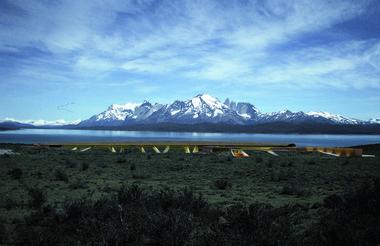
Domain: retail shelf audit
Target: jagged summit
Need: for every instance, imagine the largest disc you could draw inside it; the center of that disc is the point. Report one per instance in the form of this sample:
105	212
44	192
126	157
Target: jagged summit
204	108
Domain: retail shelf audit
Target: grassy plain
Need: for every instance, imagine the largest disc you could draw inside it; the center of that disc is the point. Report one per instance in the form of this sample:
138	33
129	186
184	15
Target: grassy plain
62	176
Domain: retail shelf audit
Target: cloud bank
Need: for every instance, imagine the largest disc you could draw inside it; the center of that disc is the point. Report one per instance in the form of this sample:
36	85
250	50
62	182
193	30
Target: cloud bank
271	43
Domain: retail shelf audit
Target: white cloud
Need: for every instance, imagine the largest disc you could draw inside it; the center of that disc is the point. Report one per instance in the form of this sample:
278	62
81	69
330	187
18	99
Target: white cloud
231	41
95	63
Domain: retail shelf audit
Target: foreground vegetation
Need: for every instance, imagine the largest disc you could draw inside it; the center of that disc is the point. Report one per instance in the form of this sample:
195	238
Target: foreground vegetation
60	197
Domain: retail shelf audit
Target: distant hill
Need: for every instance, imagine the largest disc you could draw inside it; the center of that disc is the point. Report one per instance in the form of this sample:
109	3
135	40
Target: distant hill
7	128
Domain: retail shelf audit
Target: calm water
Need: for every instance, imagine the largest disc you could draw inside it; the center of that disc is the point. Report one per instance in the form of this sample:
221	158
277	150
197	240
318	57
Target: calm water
46	136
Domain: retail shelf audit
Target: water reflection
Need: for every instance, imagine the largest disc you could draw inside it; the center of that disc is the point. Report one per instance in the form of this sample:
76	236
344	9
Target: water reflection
65	136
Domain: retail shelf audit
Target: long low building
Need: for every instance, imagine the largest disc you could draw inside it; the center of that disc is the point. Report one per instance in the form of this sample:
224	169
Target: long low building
237	149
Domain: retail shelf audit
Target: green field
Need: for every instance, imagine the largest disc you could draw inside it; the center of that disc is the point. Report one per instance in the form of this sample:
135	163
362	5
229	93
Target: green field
292	180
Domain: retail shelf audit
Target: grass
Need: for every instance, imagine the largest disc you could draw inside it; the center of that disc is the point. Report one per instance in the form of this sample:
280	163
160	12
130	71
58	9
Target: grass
306	184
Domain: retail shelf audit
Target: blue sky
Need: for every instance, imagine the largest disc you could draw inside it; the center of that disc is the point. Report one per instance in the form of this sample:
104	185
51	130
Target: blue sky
71	59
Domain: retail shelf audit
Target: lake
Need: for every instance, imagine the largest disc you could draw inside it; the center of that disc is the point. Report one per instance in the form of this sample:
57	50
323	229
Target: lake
49	136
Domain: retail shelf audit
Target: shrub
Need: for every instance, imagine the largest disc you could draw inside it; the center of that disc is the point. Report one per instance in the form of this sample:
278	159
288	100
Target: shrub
5	156
70	164
350	220
259	159
37	198
10	204
128	194
222	184
269	164
280	175
164	217
78	184
121	160
292	190
176	167
167	217
61	175
132	167
332	201
16	173
141	176
85	165
3	231
101	164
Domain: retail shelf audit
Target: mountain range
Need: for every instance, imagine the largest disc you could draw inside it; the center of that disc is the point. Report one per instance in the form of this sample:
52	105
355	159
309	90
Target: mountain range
204	108
207	112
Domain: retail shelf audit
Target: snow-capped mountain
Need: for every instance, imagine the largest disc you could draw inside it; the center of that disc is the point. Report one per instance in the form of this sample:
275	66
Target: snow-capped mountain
204	108
245	110
61	122
201	108
375	121
335	118
117	114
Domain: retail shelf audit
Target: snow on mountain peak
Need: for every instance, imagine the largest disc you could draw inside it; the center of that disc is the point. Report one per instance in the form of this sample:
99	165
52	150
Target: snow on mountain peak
206	108
207	99
285	111
334	117
59	122
126	106
117	112
203	108
375	121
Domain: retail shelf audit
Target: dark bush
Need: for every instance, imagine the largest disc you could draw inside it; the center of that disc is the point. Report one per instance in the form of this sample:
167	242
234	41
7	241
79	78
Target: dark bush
61	175
101	164
222	184
166	217
15	173
3	232
130	194
292	189
78	184
132	167
140	175
37	198
269	164
281	175
5	156
133	217
351	220
85	165
70	164
121	160
259	159
9	203
334	201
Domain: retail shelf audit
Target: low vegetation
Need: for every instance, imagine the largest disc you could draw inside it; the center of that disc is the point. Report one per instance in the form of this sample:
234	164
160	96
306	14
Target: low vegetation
63	197
15	173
